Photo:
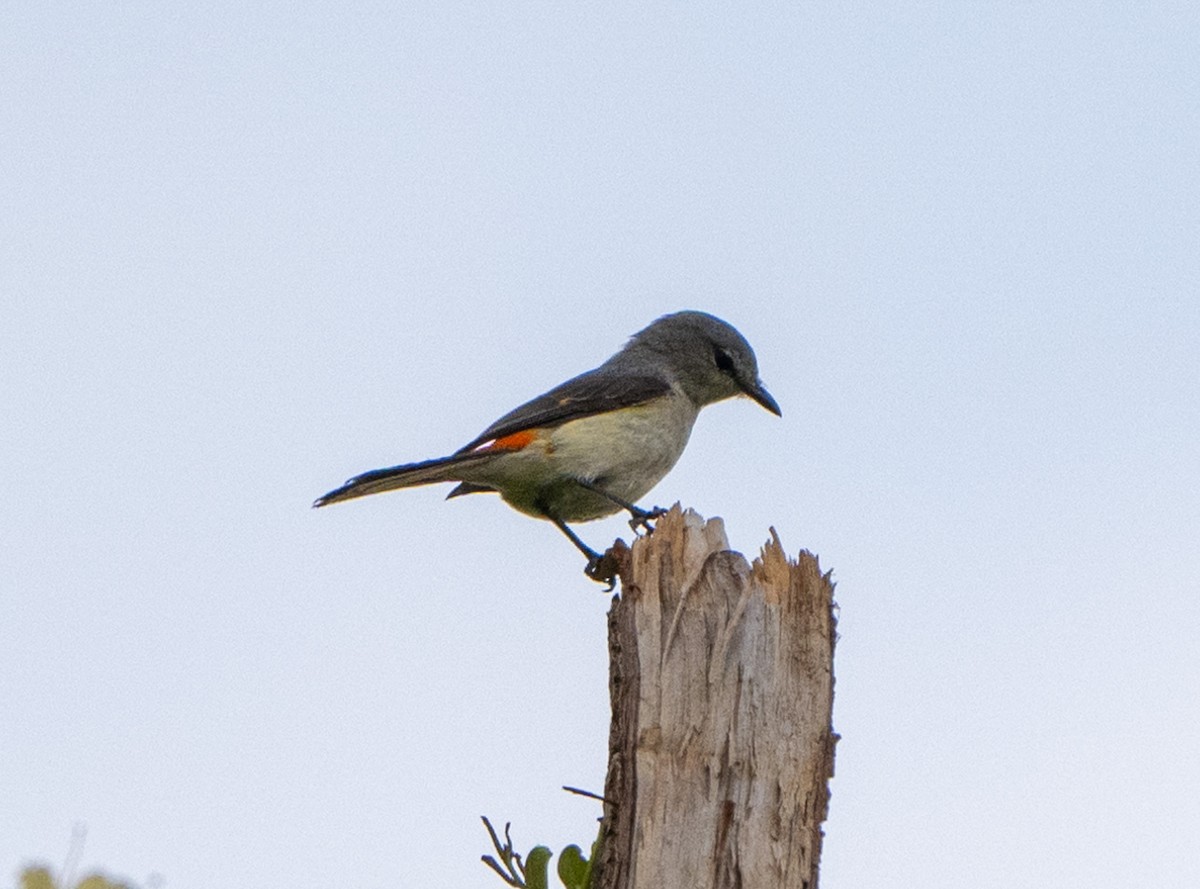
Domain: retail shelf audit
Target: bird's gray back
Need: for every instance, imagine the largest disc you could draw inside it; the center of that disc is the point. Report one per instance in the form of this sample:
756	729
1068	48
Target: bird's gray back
597	391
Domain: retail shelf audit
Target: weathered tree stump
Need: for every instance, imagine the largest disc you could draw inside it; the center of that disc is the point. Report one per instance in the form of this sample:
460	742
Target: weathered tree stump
721	746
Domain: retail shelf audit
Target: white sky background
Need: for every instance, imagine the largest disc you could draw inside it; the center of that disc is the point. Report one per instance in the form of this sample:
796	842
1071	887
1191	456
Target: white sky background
247	253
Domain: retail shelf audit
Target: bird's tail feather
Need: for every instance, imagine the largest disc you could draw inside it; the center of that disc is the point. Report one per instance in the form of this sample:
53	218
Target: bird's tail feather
428	472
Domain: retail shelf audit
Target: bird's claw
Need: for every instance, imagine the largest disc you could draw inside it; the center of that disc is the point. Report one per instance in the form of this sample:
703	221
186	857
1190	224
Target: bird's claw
643	517
602	569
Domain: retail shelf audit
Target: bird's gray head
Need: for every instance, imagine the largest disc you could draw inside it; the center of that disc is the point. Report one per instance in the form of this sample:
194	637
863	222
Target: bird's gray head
706	357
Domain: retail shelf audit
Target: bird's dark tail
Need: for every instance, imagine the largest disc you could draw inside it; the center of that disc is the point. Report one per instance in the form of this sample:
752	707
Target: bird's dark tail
444	469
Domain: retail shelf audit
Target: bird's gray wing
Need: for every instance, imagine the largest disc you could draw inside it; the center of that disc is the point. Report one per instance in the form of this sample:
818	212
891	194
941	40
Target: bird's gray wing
594	392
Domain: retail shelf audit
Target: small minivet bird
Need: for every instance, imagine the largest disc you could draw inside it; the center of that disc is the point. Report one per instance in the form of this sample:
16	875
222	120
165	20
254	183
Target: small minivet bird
594	445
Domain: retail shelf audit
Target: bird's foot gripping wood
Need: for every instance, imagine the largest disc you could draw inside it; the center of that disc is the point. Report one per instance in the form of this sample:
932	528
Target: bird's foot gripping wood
609	567
643	517
600	568
603	569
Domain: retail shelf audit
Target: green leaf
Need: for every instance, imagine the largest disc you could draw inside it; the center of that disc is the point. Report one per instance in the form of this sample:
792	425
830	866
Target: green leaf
36	878
99	881
574	870
596	845
535	868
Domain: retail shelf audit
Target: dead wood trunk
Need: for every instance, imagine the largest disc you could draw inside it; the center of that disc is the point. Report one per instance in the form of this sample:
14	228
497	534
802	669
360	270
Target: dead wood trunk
721	747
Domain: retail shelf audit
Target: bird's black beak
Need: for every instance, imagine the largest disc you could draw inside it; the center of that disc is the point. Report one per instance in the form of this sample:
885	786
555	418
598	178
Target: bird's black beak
759	393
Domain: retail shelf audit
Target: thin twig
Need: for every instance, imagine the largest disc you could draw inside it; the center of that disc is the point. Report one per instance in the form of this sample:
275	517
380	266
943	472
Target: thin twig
581	792
512	860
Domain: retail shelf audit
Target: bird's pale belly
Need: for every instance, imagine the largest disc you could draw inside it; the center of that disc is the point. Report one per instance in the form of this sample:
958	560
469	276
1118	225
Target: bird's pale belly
625	453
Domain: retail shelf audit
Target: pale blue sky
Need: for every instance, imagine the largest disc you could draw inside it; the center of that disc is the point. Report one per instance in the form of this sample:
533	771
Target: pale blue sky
247	252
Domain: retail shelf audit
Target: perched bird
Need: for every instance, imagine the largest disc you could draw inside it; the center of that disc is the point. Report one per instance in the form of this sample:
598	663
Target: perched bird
594	445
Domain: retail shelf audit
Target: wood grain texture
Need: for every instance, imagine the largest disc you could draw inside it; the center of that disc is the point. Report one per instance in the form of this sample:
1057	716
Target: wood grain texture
721	746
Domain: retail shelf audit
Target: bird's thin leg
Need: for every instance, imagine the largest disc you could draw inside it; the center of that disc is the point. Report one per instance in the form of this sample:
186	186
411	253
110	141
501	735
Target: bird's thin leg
574	538
641	517
599	568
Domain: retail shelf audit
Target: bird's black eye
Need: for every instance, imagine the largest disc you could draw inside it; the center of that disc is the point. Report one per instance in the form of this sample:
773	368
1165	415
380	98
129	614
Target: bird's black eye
724	361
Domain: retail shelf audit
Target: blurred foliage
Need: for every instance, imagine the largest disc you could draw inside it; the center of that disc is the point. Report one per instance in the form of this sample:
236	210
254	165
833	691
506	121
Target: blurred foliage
38	877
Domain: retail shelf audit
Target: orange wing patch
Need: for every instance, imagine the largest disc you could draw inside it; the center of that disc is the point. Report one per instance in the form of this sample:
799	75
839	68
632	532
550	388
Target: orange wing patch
513	442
